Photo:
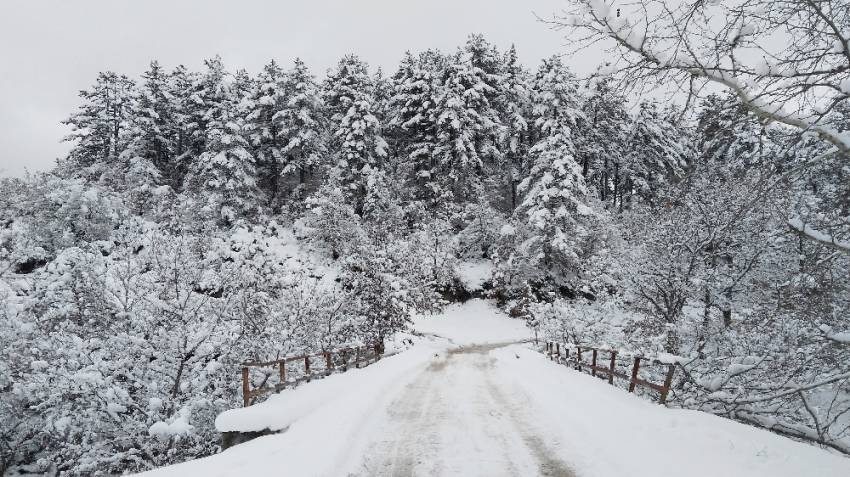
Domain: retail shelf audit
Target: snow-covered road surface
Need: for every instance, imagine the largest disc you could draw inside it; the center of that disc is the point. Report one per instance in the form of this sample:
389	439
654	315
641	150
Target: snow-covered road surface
458	418
461	403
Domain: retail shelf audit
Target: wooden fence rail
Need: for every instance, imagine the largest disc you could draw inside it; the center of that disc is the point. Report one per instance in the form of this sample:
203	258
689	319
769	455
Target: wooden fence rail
553	350
328	362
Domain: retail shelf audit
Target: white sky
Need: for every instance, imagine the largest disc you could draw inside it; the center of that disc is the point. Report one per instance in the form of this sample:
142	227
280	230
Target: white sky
49	50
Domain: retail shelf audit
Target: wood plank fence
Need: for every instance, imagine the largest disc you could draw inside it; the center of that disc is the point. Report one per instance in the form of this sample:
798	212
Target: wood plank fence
296	369
607	365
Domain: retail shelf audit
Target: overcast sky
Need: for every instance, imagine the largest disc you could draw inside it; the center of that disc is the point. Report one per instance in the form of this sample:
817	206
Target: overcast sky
49	50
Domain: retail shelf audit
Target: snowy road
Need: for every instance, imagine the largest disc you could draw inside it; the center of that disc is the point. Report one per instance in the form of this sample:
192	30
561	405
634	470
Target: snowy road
458	418
458	403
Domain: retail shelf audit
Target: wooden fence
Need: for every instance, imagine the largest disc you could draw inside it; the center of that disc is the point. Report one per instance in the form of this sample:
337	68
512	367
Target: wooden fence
609	369
305	367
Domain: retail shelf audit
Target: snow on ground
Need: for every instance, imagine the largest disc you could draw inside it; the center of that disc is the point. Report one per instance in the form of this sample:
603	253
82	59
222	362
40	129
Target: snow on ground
604	431
474	273
328	421
445	409
473	322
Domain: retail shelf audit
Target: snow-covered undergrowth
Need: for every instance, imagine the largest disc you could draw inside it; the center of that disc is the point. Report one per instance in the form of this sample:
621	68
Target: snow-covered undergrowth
743	373
122	347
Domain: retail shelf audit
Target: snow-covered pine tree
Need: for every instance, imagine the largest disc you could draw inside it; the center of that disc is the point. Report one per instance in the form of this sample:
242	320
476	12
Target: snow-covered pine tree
728	137
658	154
98	127
181	83
150	157
302	123
153	119
382	91
467	132
514	104
268	99
553	214
357	142
225	176
602	141
412	128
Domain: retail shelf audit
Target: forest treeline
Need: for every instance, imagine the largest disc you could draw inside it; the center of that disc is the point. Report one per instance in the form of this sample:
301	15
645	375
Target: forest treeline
203	218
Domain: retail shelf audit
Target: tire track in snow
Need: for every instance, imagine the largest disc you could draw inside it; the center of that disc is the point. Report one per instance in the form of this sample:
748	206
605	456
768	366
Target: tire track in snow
456	419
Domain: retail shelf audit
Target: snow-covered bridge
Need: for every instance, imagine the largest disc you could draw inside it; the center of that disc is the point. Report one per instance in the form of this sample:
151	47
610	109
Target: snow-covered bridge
462	402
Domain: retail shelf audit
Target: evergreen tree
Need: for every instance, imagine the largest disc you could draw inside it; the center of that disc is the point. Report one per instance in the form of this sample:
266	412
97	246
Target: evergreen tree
225	175
302	123
467	129
601	143
98	127
657	155
180	85
514	106
553	216
413	124
358	145
268	100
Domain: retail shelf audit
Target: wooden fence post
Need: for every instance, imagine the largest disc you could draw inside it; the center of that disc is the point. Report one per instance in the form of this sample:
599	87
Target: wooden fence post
307	367
668	381
634	374
593	363
578	351
246	388
357	357
558	351
377	351
282	371
611	368
566	355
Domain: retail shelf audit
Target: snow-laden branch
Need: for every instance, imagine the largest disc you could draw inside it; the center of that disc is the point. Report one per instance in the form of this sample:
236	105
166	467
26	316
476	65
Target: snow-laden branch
822	238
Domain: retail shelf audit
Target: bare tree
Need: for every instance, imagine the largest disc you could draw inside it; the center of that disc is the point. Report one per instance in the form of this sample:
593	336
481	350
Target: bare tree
788	61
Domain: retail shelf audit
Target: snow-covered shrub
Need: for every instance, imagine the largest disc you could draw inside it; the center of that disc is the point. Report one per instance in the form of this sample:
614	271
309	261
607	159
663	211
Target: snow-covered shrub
602	324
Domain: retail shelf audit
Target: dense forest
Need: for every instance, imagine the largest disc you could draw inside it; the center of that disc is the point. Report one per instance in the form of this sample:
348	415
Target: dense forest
203	218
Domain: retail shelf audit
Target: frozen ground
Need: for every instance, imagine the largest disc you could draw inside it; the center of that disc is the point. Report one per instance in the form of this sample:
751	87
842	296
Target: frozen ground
467	406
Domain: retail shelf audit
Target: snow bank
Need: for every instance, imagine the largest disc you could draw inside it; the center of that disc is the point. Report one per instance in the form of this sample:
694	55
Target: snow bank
608	432
473	322
280	410
328	421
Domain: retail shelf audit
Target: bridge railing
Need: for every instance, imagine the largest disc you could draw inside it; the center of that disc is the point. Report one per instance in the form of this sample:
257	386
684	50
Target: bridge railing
604	363
295	369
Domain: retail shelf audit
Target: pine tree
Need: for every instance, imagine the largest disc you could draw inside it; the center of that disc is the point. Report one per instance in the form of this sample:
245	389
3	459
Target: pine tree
181	90
727	136
601	143
657	155
98	127
467	132
514	104
150	158
302	123
554	214
413	124
358	145
268	100
225	175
